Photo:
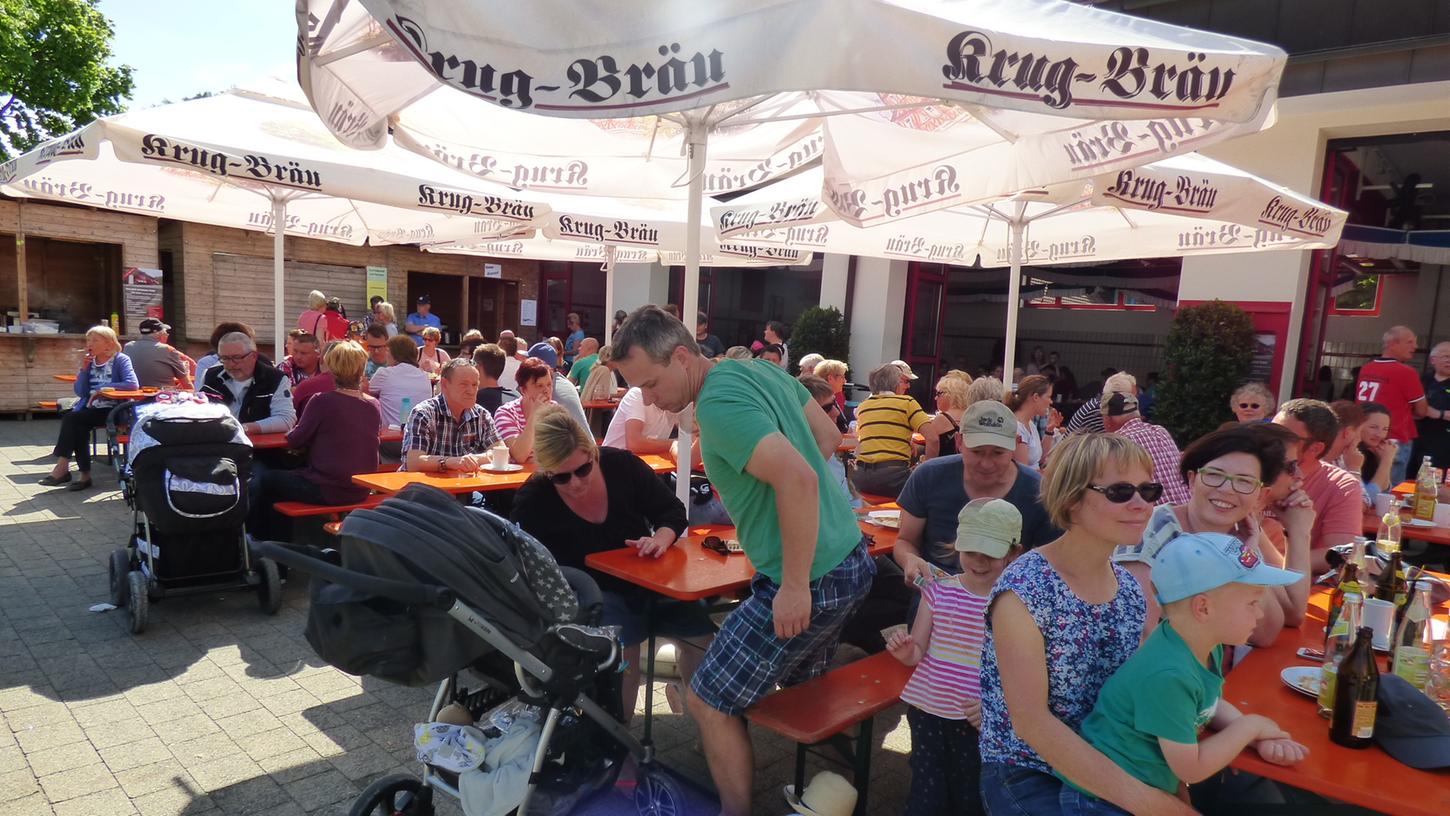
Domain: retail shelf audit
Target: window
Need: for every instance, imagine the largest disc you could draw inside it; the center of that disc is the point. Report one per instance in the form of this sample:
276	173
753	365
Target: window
1357	288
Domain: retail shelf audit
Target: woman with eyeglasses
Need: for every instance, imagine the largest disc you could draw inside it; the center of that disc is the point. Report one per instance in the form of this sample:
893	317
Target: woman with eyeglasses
1228	473
1062	618
585	499
103	366
1253	402
952	400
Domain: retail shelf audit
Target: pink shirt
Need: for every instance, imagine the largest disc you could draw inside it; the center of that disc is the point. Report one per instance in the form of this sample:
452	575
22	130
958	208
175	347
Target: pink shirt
949	674
1165	455
1338	498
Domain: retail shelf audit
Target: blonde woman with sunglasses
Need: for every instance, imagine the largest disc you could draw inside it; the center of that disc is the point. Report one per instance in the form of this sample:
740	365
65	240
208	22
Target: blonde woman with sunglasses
585	499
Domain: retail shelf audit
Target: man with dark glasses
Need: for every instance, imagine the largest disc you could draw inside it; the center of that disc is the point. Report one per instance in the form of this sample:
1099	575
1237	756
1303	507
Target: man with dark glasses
764	443
1337	494
1120	416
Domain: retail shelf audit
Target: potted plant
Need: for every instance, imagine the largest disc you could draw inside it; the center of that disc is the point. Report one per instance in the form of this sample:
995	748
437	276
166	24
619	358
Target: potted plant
1209	350
819	331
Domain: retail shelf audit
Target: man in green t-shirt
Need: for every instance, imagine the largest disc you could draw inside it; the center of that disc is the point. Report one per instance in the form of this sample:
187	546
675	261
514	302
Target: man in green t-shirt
1148	715
764	443
588	357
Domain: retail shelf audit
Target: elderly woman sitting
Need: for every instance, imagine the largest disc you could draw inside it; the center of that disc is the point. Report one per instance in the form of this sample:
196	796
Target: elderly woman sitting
431	358
1253	402
585	499
514	419
104	366
885	422
339	431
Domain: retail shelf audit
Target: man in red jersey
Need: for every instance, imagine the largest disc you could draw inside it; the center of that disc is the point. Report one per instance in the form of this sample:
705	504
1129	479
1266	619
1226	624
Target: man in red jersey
1391	383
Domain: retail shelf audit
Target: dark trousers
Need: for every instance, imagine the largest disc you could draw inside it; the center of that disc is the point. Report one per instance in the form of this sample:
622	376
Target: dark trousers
272	486
74	441
946	766
882	478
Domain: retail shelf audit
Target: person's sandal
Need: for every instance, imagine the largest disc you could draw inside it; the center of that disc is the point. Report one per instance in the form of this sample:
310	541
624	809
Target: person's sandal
51	481
79	484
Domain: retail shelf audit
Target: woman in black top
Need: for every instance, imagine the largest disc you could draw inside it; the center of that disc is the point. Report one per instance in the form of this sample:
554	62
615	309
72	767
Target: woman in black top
586	499
951	402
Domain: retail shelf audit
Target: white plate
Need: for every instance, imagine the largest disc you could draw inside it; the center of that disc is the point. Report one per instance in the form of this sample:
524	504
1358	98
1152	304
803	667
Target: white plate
1303	679
885	518
508	468
1419	523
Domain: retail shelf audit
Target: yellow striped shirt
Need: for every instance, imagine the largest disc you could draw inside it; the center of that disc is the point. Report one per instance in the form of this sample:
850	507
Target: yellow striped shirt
884	425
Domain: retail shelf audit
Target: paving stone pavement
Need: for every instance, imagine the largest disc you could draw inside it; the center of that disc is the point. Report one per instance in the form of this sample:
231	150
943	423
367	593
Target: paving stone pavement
217	708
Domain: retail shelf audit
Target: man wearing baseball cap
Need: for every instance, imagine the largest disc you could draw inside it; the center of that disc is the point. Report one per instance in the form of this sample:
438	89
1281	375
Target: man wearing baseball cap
422	319
939	488
157	364
1149	713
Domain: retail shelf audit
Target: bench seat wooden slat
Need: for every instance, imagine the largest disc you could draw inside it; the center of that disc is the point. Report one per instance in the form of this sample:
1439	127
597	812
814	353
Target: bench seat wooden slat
818	709
302	509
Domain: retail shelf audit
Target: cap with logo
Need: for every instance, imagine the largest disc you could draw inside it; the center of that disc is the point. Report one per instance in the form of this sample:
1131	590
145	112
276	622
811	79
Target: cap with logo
153	325
989	423
1198	562
544	352
424	300
991	527
1119	404
905	369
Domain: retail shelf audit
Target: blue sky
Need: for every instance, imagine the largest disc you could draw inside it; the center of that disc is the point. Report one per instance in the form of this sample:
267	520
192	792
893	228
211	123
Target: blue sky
183	48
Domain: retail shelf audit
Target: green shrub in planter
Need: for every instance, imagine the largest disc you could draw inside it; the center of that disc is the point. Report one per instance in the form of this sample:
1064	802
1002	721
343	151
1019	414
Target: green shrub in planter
819	331
1208	353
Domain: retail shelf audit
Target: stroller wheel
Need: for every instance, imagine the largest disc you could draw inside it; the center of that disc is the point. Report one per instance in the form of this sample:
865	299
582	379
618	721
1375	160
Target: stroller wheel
136	584
656	794
120	567
269	591
394	795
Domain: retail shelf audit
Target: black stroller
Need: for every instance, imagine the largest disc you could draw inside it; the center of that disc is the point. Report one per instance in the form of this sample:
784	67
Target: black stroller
184	474
426	590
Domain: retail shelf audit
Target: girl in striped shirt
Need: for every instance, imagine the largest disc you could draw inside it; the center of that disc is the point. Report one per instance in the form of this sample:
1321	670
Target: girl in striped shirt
943	696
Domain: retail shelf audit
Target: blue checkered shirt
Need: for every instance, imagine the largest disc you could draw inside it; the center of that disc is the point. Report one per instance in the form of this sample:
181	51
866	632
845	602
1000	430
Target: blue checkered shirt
432	429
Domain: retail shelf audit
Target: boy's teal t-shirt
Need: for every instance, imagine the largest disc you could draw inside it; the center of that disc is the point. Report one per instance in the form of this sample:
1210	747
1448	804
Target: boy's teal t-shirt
1162	691
741	403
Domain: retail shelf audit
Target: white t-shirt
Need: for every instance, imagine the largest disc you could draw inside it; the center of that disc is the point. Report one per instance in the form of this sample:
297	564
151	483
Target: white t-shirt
391	384
1027	434
509	377
658	424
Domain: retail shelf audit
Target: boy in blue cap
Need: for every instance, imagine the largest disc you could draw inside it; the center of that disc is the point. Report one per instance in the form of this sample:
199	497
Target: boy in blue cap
1149	713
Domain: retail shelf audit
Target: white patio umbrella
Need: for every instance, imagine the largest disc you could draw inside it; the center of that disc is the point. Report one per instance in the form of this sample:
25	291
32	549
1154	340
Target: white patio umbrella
254	159
1185	205
449	80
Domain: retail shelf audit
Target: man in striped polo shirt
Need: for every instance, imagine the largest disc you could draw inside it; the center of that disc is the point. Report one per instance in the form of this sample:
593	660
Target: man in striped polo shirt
885	422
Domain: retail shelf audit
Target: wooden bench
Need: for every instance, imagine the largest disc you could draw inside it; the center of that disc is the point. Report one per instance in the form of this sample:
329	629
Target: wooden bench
819	710
293	509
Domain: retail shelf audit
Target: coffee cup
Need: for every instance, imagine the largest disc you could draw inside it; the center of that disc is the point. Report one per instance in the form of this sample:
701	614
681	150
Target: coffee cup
499	457
1382	503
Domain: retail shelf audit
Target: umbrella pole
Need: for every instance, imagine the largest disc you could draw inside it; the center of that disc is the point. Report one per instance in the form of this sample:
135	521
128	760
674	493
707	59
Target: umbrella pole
608	294
279	332
1018	225
695	136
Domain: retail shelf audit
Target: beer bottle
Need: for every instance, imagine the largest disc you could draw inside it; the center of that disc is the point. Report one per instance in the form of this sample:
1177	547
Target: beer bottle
1392	586
1413	639
1427	492
1336	647
1352	724
1348	583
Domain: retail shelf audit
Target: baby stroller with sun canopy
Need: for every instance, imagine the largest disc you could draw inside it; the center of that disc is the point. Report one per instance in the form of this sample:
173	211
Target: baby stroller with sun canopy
423	590
184	475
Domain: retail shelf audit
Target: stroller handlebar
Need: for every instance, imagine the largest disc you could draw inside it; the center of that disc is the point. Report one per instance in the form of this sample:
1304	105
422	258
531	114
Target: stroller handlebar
303	560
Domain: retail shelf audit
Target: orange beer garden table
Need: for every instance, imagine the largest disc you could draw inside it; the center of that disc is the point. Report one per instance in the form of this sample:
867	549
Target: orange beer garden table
689	572
278	441
482	481
1370	777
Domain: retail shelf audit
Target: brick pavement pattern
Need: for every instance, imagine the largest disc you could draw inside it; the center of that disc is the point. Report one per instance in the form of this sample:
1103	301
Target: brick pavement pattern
218	708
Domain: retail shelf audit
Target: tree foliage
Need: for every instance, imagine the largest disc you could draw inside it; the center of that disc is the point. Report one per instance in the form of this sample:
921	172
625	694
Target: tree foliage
1208	353
53	72
820	331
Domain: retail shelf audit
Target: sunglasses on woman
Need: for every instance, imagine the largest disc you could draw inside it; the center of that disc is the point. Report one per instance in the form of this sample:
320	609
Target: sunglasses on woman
1122	492
1249	406
578	472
